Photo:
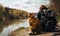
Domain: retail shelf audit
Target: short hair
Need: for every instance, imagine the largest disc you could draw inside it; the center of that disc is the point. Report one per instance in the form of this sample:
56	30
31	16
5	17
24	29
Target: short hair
42	7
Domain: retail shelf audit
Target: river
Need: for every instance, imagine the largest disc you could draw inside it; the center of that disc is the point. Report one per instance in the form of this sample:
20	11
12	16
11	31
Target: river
7	30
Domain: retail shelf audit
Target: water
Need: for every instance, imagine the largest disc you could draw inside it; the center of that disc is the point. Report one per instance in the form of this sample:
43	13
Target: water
7	30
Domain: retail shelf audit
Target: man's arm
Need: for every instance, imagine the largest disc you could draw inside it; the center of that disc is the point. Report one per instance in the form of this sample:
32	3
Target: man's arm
51	13
39	15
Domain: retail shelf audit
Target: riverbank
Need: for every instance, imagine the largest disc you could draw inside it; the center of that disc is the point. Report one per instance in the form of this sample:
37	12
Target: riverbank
12	27
25	32
7	23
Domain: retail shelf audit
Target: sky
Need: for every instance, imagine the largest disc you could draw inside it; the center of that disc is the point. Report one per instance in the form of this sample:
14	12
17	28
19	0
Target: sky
26	5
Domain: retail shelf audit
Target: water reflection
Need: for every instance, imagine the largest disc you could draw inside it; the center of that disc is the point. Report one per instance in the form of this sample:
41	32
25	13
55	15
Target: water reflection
7	30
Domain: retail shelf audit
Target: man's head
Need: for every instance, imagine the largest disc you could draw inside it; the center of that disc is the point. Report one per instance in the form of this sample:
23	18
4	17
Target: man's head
42	7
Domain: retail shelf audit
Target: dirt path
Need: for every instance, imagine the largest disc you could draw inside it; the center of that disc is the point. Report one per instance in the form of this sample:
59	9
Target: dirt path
24	32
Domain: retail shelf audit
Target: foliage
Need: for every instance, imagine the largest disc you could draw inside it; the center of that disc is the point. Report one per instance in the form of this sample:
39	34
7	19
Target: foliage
10	15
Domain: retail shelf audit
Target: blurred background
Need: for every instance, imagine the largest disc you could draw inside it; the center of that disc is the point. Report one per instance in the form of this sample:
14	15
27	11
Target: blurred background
14	13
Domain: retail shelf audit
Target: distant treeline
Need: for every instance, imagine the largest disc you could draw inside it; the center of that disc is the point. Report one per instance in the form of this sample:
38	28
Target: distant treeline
9	13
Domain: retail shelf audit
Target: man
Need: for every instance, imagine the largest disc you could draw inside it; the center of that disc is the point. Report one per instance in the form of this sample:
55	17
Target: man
42	18
47	17
51	20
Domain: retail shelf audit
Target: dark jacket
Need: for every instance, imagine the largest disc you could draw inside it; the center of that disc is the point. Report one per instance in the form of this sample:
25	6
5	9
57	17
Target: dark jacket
47	18
40	15
50	16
